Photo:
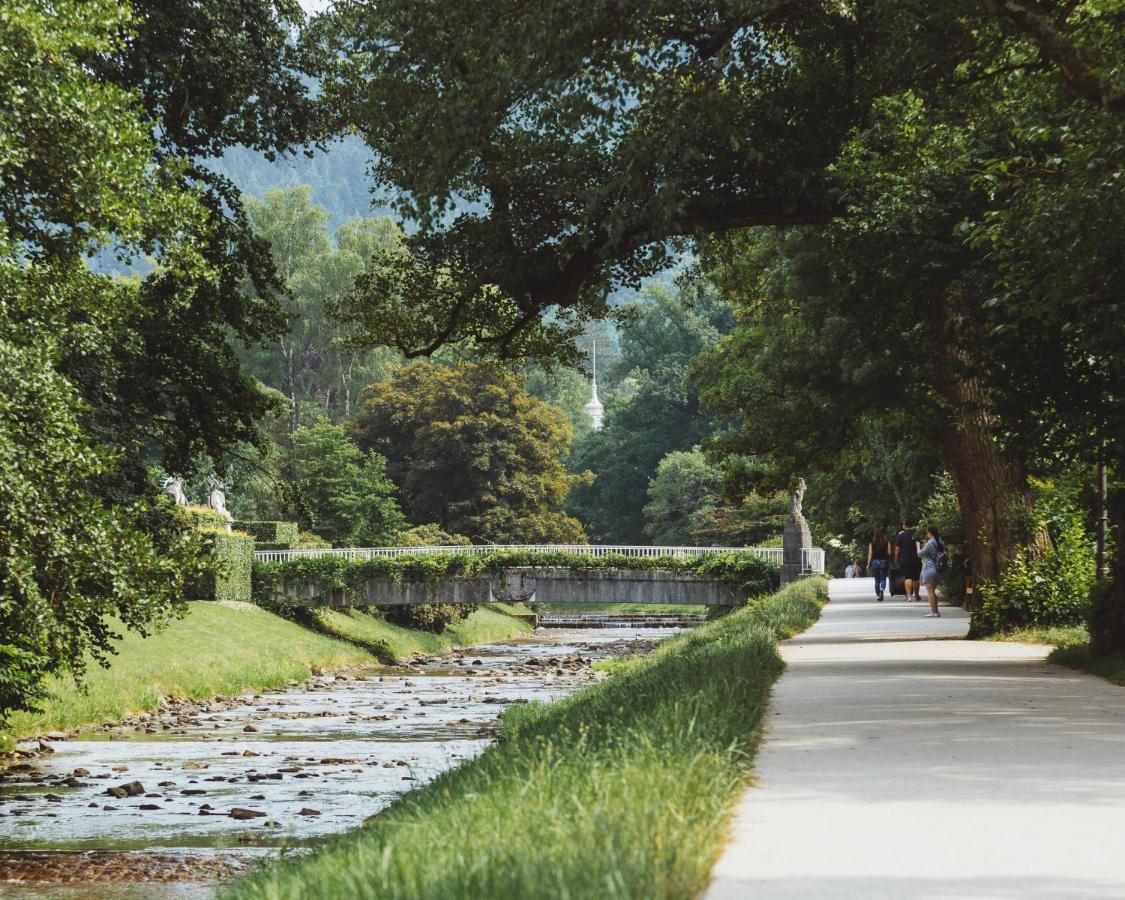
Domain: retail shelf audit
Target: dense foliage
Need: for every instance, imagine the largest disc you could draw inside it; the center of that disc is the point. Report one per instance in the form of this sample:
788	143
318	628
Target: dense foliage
650	412
473	452
1048	588
342	493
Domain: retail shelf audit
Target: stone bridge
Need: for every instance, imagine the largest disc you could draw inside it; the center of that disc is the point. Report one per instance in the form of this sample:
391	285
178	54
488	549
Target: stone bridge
541	584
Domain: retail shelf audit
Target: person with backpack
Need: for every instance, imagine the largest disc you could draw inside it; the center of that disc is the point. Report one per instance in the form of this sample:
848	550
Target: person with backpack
879	561
932	555
906	558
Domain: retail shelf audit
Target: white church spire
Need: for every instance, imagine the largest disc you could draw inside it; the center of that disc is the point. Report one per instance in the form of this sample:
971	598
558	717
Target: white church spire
594	408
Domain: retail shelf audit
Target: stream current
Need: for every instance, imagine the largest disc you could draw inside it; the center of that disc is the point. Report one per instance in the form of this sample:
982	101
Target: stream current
211	789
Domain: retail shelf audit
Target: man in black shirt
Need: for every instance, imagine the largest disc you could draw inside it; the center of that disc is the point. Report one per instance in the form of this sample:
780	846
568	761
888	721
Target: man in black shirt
906	558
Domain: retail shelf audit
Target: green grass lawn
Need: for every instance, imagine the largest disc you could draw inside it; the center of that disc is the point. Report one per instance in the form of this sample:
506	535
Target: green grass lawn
1072	648
390	642
623	609
623	789
1056	635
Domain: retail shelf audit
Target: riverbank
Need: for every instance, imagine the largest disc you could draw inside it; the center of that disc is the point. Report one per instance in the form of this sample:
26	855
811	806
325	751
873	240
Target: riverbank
223	649
622	789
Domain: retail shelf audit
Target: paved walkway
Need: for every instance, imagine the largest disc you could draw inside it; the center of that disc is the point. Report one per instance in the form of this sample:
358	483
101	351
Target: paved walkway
901	762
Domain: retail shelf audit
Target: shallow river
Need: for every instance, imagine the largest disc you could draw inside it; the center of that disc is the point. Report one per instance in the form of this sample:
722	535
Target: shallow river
294	767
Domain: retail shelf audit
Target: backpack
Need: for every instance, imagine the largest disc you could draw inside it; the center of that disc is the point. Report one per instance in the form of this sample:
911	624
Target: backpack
939	559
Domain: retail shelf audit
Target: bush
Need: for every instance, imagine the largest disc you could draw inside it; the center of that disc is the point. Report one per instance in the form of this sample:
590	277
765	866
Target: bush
1040	590
306	540
233	559
430	536
283	533
428	616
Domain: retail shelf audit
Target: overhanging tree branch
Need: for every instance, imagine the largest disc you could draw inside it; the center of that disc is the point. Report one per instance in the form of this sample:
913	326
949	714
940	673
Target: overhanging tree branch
1078	75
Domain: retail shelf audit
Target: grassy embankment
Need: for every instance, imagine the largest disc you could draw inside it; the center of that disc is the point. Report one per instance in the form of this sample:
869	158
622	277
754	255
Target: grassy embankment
389	642
623	789
220	649
1072	648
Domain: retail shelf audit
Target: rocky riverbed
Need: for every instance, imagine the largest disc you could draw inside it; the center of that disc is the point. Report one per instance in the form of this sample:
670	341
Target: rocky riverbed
165	805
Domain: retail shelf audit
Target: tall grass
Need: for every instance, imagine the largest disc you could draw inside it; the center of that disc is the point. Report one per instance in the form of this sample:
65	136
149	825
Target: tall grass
621	790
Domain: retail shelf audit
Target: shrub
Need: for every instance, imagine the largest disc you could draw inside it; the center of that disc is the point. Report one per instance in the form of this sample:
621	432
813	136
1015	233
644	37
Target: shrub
201	518
306	540
430	536
428	616
283	533
1041	590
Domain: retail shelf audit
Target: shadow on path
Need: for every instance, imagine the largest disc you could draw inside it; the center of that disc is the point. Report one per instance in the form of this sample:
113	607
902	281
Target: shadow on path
903	762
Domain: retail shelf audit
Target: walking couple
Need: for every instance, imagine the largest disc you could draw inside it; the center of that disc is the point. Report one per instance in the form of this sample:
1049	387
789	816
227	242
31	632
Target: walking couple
919	563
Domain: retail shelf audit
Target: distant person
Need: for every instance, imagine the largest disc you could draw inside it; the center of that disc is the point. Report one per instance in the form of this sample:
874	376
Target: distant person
849	572
932	554
907	559
879	561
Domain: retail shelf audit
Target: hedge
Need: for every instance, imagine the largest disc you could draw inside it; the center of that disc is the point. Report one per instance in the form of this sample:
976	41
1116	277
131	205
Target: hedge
233	555
266	532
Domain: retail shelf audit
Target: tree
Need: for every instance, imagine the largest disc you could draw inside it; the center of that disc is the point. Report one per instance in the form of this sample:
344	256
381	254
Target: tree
665	100
473	452
90	362
311	360
659	414
681	496
342	493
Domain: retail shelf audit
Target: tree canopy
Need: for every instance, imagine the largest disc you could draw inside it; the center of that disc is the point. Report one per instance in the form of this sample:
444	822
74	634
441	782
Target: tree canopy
472	452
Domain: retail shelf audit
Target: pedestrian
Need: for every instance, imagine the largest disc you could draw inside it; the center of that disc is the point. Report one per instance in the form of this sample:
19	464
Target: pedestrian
907	559
879	561
849	572
932	554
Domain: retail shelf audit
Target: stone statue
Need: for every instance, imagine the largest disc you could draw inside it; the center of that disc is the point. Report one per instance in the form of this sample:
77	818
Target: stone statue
217	500
796	503
174	490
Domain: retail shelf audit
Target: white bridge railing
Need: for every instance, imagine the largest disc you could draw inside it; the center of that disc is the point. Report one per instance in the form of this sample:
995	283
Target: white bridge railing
812	558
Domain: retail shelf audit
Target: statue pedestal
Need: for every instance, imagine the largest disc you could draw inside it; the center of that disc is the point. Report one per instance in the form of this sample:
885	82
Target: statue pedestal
795	538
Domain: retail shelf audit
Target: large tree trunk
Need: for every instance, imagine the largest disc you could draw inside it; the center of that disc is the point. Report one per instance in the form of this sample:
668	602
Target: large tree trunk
1109	621
990	483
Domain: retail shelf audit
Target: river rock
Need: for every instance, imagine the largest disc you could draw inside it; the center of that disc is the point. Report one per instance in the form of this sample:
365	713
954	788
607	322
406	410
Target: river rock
239	812
132	789
81	773
309	812
148	807
56	736
45	747
250	728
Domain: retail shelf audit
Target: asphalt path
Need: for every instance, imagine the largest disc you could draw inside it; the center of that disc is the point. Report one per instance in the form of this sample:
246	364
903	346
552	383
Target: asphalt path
902	761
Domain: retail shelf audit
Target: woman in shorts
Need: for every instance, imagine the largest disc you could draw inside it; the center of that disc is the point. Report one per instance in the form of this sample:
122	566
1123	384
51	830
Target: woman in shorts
930	554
